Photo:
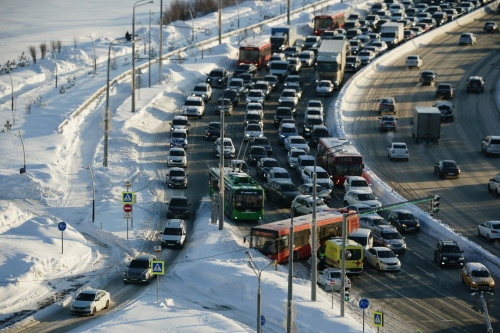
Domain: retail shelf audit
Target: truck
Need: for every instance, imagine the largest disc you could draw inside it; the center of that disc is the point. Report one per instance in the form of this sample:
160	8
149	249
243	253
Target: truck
354	258
392	33
283	36
427	125
331	60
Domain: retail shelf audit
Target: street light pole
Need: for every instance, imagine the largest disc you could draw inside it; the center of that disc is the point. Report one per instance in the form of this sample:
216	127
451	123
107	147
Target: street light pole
93	192
24	152
160	62
12	94
149	51
288	12
238	5
342	273
95	56
314	241
220	22
221	167
290	276
192	24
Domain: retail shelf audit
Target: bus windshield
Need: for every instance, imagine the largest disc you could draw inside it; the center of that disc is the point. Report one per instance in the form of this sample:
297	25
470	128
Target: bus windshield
266	245
248	200
323	23
346	169
249	55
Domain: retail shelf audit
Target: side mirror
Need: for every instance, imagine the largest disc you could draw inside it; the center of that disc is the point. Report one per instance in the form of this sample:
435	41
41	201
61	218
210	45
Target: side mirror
167	202
170	123
187	176
189	124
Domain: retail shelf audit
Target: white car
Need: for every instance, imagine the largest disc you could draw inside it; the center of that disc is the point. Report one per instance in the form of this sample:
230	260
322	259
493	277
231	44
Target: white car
494	185
353	197
277	174
413	61
321	192
382	46
489	229
253	131
295	65
322	177
373	221
289	95
303	205
313	112
177	157
396	8
293	156
324	88
330	278
296	141
355	183
229	149
255	107
194	106
398	150
89	301
203	90
315	104
255	96
366	57
383	259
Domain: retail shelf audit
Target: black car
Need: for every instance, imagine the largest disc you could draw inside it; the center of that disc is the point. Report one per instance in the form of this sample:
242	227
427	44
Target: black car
490	28
273	81
446	109
447	168
475	84
212	131
255	154
404	220
445	90
281	113
352	63
448	253
178	208
281	191
263	142
311	41
232	95
217	78
248	79
318	132
266	164
139	270
176	177
245	68
292	51
428	78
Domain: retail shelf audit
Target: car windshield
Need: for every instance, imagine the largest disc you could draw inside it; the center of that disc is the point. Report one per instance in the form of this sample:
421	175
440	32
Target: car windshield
305	163
288	187
172	231
279	65
386	254
176	173
288	103
321	133
177	153
314	105
427	73
253	128
179	135
334	275
178	202
380	221
288	130
200	88
180	122
258	151
366	196
288	93
253	116
214	125
255	93
271	164
193	103
293	79
139	264
354	42
364	54
324	84
281	175
270	79
449	165
359	183
85	297
314	121
298	153
260	86
228	144
236	83
392	235
451	249
480	273
322	174
314	112
298	141
215	73
406	216
261	141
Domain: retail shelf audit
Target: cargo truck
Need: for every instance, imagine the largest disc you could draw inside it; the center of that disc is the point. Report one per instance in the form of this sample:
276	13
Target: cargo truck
392	33
331	60
427	125
283	36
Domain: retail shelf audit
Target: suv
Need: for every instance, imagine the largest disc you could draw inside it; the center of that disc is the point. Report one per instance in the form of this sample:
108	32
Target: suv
475	84
194	106
490	145
139	270
212	131
353	197
321	192
281	191
448	253
303	205
445	90
322	177
263	142
404	220
477	277
352	63
180	122
178	208
282	113
174	233
318	132
217	77
176	177
203	90
446	109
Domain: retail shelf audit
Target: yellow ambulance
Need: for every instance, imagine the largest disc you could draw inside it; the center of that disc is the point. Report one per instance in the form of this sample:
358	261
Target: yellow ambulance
354	255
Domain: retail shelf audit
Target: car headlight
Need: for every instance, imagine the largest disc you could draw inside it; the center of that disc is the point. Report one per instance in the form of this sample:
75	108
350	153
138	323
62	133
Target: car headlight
208	79
403	225
282	136
248	101
473	283
204	95
87	307
418	225
445	258
219	80
171	160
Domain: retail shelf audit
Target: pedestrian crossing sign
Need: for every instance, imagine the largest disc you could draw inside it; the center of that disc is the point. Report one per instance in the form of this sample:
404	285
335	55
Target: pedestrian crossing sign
157	267
378	319
128	197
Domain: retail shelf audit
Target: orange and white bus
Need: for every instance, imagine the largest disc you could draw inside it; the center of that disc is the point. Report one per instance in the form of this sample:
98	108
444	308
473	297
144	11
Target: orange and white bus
256	52
328	21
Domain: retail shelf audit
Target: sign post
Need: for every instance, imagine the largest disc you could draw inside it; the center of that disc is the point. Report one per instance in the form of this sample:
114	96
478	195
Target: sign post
62	226
127	208
157	267
332	283
128	185
363	304
378	320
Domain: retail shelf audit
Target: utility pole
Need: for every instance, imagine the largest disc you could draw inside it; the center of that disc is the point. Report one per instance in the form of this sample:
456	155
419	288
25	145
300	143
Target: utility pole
342	274
220	22
221	169
314	241
160	79
290	276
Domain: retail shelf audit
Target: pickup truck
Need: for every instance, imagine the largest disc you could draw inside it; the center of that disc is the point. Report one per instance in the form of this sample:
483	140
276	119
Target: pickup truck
413	61
282	192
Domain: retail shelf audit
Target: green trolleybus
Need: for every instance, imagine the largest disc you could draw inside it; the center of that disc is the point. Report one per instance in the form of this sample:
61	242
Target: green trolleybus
243	196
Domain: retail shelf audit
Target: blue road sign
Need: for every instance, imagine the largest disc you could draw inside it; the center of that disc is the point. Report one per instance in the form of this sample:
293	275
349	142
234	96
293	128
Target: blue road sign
378	319
364	303
128	197
262	320
158	267
61	226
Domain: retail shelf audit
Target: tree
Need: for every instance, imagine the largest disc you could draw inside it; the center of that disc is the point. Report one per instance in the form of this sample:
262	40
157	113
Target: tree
43	50
53	46
32	52
75	41
59	45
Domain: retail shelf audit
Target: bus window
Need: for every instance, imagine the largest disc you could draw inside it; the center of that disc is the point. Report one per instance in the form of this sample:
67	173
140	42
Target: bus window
265	245
283	243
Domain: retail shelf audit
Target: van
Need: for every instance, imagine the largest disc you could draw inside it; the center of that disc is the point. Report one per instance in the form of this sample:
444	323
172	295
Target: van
363	237
307	58
332	248
174	233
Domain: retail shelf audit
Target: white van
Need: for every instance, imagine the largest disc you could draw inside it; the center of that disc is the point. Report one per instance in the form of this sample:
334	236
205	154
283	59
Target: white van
363	237
174	233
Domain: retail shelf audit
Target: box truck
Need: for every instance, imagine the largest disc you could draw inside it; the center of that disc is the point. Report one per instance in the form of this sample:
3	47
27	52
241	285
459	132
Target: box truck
427	125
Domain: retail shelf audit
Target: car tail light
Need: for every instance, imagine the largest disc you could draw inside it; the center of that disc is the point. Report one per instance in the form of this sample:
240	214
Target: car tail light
407	151
494	232
381	123
393	124
392	151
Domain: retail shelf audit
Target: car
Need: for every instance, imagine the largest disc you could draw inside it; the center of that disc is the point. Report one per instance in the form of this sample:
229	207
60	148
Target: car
467	38
298	89
178	208
255	96
374	37
217	77
353	33
174	233
440	17
321	192
490	145
311	41
428	78
302	162
354	16
239	165
177	157
365	31
248	79
278	174
476	3
324	88
229	149
293	80
282	113
355	183
366	57
292	51
315	104
423	15
446	109
253	131
331	279
275	57
413	61
289	95
194	106
176	177
318	132
382	46
293	155
433	9
404	220
139	269
448	253
180	122
494	185
359	196
322	177
385	16
231	95
377	6
407	4
295	65
265	86
224	104
307	58
445	5
467	6
373	49
297	142
445	90
417	30
310	121
398	150
390	238
396	8
255	154
409	34
329	34
264	165
90	301
372	19
396	17
263	142
359	208
304	205
282	192
422	7
355	46
285	130
179	138
447	168
272	80
352	63
238	86
430	21
203	90
490	230
451	14
424	26
477	277
245	68
475	84
490	27
373	221
388	123
256	107
310	112
383	259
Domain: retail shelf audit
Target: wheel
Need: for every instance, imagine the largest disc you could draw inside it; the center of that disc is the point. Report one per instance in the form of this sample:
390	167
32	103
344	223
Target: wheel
478	232
107	305
406	159
93	312
489	188
345	204
378	267
488	238
498	194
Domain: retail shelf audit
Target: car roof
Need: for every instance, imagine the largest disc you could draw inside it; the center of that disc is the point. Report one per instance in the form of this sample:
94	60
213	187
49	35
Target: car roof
295	137
144	257
177	149
268	159
476	266
202	84
283	182
306	157
403	211
361	191
258	147
214	122
355	178
279	169
288	125
475	78
179	130
318	168
181	117
380	248
254	112
373	216
194	98
448	161
494	222
175	169
444	103
90	291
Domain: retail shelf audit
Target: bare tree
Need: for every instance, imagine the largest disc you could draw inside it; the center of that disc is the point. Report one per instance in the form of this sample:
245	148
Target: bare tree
28	103
53	46
75	41
43	50
59	45
32	52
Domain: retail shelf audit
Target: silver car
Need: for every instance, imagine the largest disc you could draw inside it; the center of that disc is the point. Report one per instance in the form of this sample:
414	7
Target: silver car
203	90
467	38
177	157
253	131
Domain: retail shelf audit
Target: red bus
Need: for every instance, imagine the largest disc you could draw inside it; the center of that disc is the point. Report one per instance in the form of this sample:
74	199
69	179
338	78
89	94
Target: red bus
257	53
328	21
339	159
271	239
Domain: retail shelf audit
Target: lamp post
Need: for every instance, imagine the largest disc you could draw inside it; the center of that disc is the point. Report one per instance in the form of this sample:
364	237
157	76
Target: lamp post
95	56
220	21
24	152
12	94
258	272
93	192
149	51
137	4
55	59
192	24
160	63
221	167
238	6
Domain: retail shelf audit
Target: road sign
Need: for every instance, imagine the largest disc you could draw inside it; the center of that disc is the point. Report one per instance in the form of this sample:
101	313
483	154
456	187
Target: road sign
157	267
157	249
378	319
128	198
332	282
127	216
61	226
127	183
364	303
127	208
419	331
262	320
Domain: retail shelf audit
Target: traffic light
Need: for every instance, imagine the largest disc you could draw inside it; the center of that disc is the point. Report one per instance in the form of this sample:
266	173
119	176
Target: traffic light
435	204
488	299
346	296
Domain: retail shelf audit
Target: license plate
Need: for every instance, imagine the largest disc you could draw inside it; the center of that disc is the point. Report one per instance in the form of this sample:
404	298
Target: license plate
450	173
